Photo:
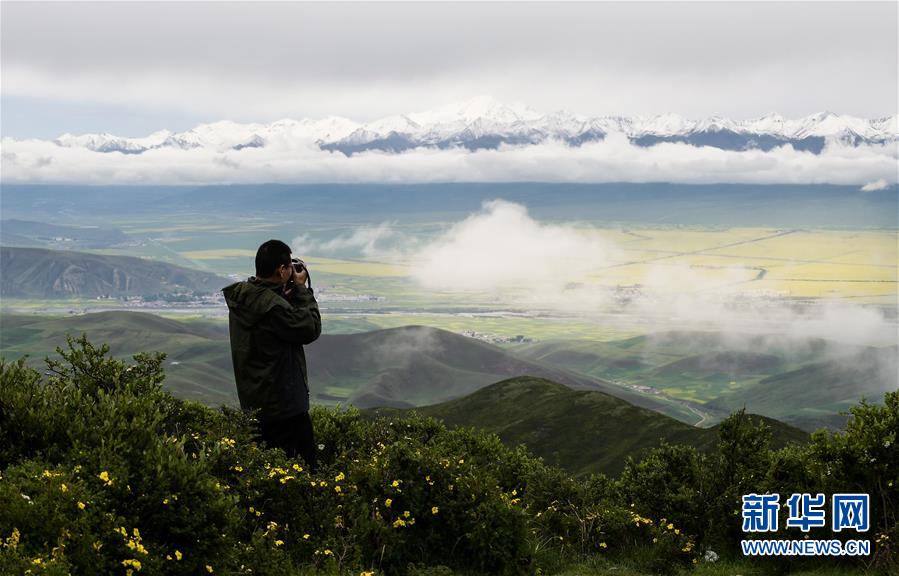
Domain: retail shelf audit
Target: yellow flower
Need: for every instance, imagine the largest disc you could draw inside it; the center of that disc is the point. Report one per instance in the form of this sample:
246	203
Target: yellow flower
238	468
514	492
434	510
339	477
82	505
104	476
178	555
395	483
399	523
328	553
406	514
297	468
388	502
209	569
428	477
461	460
279	542
337	488
670	526
132	563
603	545
305	536
63	488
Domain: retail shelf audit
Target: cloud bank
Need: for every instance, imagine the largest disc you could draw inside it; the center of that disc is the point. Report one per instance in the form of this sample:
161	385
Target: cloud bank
613	159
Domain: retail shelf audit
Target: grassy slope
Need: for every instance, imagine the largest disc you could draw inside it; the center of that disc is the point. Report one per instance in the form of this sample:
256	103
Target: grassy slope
579	430
400	367
40	273
203	369
806	382
816	393
417	366
29	233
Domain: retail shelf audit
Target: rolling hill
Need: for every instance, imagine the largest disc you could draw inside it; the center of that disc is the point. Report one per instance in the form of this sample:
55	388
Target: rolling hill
198	363
418	366
41	273
582	431
41	234
402	367
817	393
804	381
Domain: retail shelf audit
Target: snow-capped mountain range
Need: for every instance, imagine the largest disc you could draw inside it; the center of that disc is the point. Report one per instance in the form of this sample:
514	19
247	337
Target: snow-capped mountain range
484	123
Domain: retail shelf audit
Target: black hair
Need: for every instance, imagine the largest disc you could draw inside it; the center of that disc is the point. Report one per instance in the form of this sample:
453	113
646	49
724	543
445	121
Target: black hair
270	255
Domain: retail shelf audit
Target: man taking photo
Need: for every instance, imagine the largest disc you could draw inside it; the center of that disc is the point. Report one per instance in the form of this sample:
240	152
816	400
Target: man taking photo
270	317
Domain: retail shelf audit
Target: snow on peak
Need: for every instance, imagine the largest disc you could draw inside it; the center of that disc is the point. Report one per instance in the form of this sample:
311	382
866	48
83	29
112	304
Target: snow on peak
486	119
480	107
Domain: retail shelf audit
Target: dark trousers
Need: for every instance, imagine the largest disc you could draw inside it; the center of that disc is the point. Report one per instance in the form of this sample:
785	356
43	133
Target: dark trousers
293	435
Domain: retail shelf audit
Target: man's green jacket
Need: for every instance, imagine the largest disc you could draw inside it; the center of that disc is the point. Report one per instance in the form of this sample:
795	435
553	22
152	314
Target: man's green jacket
268	332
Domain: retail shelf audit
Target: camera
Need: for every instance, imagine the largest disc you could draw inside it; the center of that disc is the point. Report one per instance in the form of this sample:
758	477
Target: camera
300	266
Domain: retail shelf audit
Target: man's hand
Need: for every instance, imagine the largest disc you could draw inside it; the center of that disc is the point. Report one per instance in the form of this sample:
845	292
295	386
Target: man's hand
299	278
296	279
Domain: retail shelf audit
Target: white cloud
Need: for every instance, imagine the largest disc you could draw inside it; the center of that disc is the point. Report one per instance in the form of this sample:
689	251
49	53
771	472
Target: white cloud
368	240
880	184
614	159
502	247
503	253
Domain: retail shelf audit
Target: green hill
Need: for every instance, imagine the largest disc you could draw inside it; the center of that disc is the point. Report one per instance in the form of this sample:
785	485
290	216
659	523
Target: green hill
40	273
804	381
580	430
728	363
408	366
28	233
417	365
198	365
815	394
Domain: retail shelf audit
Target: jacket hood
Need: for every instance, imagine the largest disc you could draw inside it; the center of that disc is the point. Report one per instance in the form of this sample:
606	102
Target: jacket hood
249	301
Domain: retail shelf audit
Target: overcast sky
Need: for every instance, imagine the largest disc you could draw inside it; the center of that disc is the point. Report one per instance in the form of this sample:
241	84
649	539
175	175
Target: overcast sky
134	68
